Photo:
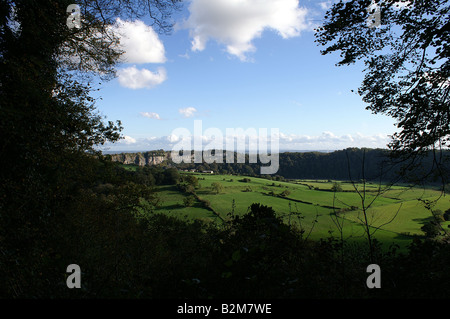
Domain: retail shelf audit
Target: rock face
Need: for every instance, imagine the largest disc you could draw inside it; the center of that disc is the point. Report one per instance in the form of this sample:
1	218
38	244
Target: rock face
141	159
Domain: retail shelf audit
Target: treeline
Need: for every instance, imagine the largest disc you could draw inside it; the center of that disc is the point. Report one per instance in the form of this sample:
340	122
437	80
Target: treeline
152	175
349	164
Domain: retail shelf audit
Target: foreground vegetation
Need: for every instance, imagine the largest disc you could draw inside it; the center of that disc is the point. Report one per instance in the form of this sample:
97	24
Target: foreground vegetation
126	234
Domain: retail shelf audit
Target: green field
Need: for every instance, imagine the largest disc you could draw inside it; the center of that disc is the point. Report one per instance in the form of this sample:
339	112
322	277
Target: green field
397	212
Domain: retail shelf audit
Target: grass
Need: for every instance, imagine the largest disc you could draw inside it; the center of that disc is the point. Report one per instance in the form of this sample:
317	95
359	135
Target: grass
395	215
172	204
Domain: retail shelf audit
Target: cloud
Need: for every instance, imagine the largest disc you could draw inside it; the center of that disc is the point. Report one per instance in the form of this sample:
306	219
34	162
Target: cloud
236	23
292	142
185	56
151	115
128	140
325	5
187	112
134	78
140	42
329	141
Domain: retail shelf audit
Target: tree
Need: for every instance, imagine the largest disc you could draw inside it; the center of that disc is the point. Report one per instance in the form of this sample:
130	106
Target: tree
49	126
188	201
171	176
431	229
191	180
48	116
438	215
45	68
216	187
447	215
406	58
336	187
366	200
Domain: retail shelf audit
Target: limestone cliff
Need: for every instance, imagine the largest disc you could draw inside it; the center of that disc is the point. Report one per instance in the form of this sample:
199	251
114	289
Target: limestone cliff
141	159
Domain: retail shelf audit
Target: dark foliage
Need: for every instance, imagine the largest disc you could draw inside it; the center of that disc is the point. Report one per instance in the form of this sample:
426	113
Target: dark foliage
406	60
125	251
379	164
61	204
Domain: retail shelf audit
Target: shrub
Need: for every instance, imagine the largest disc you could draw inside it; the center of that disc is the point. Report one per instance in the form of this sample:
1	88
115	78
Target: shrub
431	229
217	187
447	215
189	201
285	193
438	216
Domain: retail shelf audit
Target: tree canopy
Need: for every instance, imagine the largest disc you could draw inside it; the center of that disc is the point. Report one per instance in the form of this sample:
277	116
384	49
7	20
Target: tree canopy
49	123
47	74
406	58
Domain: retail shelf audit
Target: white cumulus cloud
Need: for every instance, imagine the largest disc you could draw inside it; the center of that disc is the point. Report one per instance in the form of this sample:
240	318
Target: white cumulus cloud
236	23
141	45
139	42
134	78
151	115
188	112
129	140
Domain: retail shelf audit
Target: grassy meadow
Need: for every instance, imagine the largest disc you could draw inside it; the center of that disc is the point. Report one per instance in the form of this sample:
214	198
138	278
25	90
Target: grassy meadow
395	214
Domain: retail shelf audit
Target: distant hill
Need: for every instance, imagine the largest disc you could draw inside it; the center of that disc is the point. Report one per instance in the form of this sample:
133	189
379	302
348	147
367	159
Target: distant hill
351	163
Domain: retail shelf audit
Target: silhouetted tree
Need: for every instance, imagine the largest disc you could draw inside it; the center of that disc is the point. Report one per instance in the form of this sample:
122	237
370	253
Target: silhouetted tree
48	120
406	58
407	71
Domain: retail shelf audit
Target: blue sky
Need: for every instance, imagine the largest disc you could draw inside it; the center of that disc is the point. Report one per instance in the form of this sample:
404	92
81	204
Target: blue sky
238	64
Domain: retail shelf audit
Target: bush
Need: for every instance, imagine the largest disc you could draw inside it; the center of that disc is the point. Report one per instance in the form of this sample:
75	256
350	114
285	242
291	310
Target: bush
217	187
431	229
447	215
285	193
438	216
191	180
189	201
